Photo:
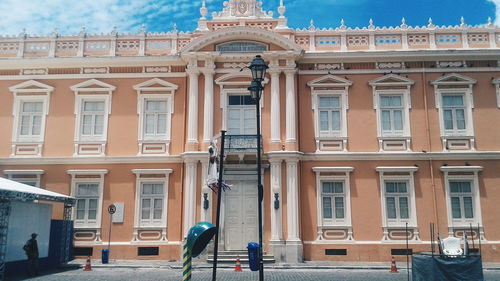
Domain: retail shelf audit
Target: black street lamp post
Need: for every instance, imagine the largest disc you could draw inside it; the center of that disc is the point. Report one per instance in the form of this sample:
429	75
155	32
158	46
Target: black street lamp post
258	68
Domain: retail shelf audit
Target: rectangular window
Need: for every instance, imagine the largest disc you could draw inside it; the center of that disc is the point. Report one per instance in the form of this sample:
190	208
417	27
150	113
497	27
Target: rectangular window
155	119
454	113
333	198
397	198
31	118
241	118
87	199
92	118
461	200
391	114
152	199
329	115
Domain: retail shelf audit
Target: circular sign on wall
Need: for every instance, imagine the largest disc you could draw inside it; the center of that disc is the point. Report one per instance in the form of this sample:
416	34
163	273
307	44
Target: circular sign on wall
112	209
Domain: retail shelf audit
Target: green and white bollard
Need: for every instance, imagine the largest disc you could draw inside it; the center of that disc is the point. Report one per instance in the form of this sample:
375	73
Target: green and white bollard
186	267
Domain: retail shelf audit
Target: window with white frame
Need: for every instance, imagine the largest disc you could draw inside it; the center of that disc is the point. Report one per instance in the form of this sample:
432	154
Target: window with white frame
155	107
241	115
87	198
92	109
333	199
152	202
398	196
87	187
454	100
29	177
92	119
329	101
31	106
333	202
391	114
330	115
155	118
453	113
461	200
396	199
462	195
151	198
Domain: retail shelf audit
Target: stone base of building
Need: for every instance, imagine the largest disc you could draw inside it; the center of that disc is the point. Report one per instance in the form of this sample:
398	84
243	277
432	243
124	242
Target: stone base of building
294	251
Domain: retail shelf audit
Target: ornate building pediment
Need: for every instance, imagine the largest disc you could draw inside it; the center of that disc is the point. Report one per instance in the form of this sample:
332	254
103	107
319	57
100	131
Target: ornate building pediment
242	9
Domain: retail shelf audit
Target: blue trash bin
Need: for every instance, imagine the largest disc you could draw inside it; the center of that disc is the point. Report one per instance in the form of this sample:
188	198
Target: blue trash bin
253	256
105	256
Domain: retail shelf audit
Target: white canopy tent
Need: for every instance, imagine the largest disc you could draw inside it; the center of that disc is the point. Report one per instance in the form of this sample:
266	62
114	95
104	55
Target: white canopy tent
12	190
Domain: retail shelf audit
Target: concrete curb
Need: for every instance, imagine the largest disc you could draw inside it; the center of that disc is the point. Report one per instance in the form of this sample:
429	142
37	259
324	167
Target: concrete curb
178	266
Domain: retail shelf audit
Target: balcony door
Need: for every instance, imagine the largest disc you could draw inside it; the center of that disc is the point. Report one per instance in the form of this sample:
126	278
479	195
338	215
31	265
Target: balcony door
241	117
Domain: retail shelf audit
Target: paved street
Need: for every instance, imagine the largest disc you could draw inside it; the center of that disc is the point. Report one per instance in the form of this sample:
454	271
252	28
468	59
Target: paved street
160	274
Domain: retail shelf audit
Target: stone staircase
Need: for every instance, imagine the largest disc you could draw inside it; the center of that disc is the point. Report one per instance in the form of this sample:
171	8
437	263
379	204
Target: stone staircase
229	257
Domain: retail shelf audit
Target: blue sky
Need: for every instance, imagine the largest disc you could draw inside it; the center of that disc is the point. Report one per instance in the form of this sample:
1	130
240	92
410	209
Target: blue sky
99	16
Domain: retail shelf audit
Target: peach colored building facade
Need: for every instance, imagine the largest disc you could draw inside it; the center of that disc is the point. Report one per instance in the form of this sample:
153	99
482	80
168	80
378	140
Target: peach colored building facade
364	131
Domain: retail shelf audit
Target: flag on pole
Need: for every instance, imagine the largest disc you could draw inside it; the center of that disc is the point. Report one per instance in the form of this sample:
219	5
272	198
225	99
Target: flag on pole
213	174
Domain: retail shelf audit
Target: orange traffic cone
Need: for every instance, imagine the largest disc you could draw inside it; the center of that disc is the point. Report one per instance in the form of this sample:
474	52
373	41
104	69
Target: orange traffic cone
238	264
87	265
394	269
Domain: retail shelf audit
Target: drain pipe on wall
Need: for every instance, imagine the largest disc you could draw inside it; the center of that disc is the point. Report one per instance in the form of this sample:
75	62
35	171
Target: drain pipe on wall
429	145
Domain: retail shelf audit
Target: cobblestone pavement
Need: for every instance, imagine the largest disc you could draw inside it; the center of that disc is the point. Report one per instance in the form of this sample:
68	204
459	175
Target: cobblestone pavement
161	274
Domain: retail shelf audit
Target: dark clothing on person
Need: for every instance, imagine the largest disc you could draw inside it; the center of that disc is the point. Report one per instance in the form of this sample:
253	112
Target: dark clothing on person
31	249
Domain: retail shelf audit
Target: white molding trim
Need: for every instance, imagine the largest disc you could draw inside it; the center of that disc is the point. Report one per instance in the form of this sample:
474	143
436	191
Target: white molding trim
24	87
12	173
165	86
496	82
157	139
336	83
346	224
474	179
391	80
412	207
162	225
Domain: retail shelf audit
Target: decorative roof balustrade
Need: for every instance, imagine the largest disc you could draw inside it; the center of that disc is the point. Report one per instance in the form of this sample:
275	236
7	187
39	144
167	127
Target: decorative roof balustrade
238	13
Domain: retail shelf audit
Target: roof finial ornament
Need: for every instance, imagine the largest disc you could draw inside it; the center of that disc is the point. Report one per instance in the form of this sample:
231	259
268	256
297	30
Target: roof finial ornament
430	25
490	23
114	32
311	25
462	22
23	34
281	9
371	26
342	26
82	32
175	28
403	23
143	29
55	33
203	10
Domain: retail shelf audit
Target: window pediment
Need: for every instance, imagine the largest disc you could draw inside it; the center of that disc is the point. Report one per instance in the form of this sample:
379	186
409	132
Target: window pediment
156	84
31	86
93	85
454	79
391	80
329	81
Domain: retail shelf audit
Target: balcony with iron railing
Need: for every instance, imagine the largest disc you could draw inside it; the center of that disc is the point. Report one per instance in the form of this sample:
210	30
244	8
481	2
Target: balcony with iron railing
241	143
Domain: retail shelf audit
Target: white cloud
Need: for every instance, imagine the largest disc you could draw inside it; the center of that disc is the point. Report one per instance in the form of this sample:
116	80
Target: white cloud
98	16
497	11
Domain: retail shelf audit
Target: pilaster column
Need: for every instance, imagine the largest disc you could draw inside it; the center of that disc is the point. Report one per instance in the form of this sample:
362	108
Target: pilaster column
290	106
206	214
277	243
192	138
208	109
276	231
189	205
275	105
293	242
